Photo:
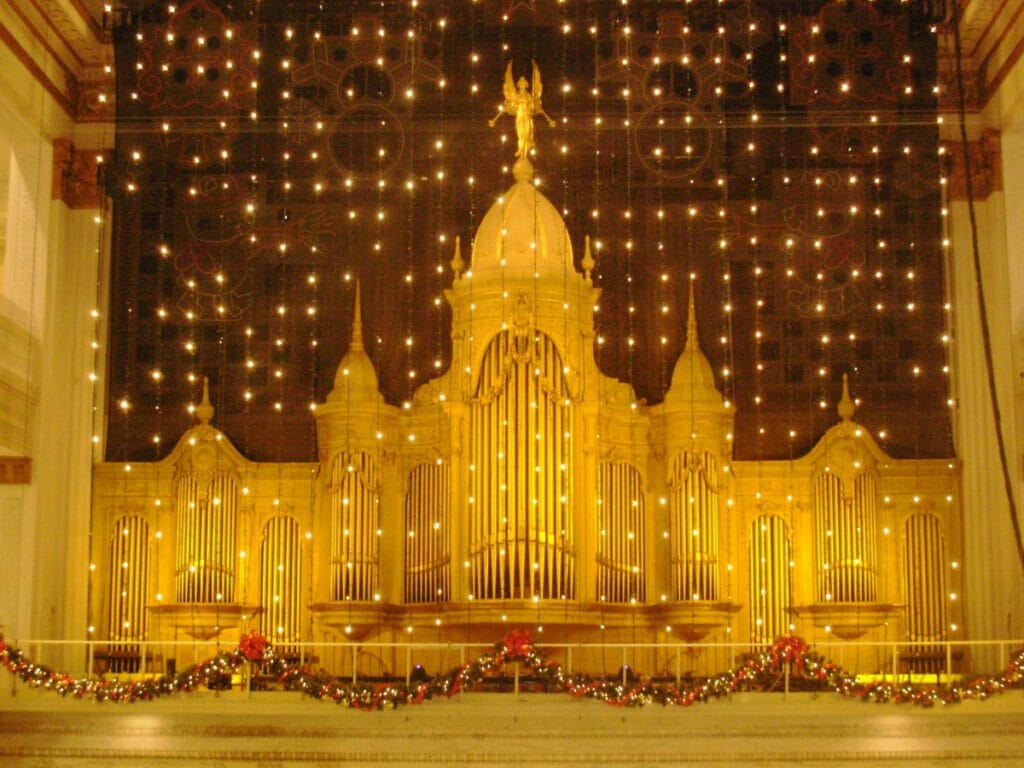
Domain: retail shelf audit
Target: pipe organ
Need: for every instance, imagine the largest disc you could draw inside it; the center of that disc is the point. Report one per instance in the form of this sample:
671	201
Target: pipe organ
129	570
427	525
524	486
205	531
355	527
693	501
771	579
622	534
845	526
280	577
521	470
924	568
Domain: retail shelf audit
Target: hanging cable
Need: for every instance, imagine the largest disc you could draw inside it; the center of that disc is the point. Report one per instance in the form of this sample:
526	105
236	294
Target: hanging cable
982	307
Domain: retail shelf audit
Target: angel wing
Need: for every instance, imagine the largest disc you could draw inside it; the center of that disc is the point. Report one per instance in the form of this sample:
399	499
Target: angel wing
538	87
509	88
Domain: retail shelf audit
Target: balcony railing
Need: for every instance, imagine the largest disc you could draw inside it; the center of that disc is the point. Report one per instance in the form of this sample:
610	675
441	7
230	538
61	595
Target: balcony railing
936	663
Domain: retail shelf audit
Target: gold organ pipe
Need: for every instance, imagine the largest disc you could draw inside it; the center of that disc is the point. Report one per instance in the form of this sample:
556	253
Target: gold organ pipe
866	492
511	507
771	585
924	576
823	518
280	547
517	506
550	502
186	499
694	510
521	477
555	508
206	535
538	529
535	536
618	516
128	580
354	509
427	556
214	535
334	494
116	617
846	539
203	538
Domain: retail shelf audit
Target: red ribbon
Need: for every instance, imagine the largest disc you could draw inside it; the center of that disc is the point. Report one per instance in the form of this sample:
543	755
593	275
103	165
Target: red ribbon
253	646
789	648
517	644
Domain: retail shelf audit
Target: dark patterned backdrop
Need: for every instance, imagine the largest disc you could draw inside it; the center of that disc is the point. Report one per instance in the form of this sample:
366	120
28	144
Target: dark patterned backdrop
786	153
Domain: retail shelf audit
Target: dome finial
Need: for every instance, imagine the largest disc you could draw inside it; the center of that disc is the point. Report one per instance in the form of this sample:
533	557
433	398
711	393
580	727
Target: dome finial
522	169
457	263
846	405
587	262
205	408
356	344
691	321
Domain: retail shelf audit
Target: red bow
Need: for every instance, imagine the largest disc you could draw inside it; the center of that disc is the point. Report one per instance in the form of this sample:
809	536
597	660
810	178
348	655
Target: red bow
789	648
517	644
253	646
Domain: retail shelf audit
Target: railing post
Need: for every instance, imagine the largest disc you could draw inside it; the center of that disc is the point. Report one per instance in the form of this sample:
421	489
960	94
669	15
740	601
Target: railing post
679	669
568	659
623	665
949	664
895	666
355	659
408	666
515	679
462	663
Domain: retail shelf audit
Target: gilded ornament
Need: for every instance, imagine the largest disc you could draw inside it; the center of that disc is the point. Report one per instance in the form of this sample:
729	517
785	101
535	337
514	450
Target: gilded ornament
522	104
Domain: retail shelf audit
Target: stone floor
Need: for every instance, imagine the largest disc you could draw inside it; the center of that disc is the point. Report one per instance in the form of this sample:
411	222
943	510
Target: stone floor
280	729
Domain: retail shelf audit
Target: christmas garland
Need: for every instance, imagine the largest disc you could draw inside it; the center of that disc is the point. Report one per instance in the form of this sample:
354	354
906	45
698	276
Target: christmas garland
786	652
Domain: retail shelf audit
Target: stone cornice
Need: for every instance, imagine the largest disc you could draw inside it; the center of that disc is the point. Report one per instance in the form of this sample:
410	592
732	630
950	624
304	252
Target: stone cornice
77	29
991	42
63	49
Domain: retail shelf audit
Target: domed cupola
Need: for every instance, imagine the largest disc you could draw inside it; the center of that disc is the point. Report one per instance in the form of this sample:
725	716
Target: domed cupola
522	235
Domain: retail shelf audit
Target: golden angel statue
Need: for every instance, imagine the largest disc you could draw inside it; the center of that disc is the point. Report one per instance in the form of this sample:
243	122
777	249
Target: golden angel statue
523	105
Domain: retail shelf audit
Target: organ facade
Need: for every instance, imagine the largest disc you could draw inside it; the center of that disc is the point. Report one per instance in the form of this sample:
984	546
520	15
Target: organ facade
524	487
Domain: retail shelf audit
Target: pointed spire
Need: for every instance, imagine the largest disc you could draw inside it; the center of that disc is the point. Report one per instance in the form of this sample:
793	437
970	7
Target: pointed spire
205	408
356	378
693	381
691	322
846	406
587	262
457	263
356	344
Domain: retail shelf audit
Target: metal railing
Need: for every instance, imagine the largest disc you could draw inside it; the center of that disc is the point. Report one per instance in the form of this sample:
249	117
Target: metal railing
668	661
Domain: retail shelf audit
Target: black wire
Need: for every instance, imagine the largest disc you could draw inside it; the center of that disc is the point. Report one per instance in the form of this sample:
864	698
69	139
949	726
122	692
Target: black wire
982	310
